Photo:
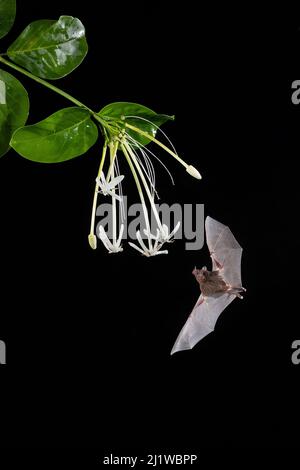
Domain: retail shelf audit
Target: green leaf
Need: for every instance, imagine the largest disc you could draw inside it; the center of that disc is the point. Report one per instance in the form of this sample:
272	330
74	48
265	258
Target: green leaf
136	115
7	16
14	108
50	49
65	134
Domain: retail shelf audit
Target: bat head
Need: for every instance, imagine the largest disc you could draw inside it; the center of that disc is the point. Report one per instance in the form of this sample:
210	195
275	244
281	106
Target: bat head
200	274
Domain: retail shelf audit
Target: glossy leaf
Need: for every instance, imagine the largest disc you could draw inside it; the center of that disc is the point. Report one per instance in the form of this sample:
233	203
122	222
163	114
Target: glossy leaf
136	115
65	134
14	108
7	16
50	49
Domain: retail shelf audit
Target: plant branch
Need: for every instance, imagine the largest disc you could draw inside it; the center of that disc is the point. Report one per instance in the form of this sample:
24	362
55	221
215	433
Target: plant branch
51	87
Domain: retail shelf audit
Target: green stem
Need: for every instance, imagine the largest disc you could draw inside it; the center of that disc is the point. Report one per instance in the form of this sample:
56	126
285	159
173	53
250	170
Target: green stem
92	231
44	83
113	151
52	87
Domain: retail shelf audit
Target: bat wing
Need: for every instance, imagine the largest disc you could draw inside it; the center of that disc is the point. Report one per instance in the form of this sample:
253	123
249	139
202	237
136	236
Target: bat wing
202	320
225	251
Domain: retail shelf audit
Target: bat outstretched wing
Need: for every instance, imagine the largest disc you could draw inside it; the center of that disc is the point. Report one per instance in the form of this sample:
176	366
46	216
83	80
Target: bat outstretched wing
225	251
202	320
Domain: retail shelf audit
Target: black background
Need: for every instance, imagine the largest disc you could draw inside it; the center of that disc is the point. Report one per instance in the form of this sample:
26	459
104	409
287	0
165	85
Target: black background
89	334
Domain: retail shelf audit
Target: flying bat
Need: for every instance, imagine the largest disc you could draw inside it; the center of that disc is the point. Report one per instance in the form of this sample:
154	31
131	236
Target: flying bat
218	287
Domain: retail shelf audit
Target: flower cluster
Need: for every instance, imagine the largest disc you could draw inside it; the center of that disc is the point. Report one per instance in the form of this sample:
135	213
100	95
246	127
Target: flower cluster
120	139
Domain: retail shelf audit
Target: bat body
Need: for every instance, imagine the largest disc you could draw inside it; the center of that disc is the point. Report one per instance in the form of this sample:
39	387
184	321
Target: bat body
219	287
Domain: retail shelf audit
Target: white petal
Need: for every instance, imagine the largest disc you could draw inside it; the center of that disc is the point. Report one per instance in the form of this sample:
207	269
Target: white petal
102	177
164	252
114	182
116	249
165	230
100	180
139	238
105	240
105	243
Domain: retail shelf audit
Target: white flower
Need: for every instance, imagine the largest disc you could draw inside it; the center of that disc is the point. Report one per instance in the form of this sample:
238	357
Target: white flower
153	249
108	188
112	247
125	138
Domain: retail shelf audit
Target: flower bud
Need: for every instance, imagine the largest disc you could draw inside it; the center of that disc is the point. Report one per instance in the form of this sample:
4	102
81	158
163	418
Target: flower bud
193	172
93	241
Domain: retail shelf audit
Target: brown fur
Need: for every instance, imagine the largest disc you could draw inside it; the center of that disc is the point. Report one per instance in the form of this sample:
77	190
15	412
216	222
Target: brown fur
210	282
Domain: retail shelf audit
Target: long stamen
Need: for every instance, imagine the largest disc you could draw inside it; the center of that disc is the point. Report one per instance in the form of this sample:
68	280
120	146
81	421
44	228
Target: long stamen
157	128
189	168
92	237
148	171
139	188
147	150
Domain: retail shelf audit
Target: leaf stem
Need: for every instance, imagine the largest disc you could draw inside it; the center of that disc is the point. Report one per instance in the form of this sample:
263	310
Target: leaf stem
52	87
44	83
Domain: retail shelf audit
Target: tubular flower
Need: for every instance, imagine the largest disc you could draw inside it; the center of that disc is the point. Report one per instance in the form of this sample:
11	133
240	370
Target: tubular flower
129	136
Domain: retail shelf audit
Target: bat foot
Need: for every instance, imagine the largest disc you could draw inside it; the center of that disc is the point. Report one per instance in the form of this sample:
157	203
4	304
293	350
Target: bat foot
237	294
236	291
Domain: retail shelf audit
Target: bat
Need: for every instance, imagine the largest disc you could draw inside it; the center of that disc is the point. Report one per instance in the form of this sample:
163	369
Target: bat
219	287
